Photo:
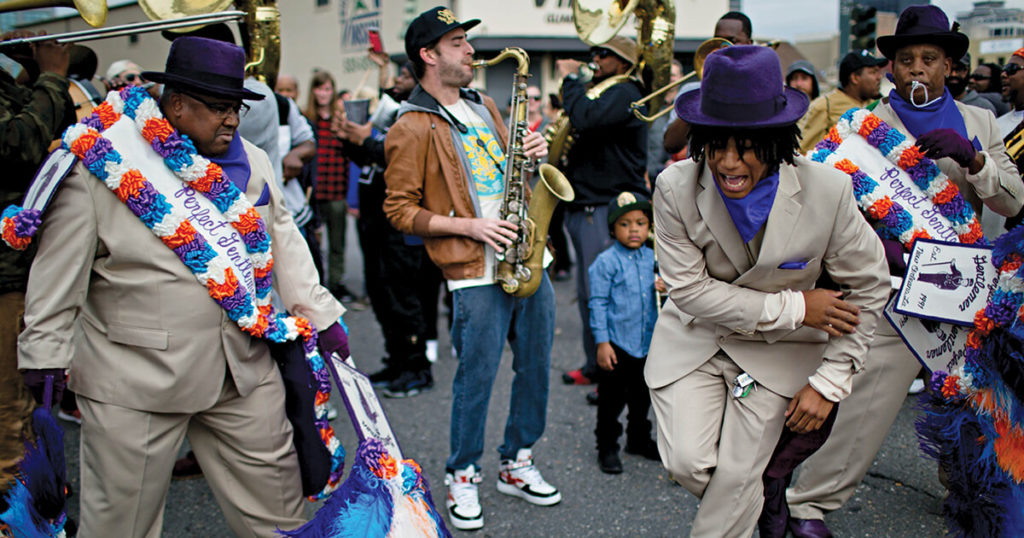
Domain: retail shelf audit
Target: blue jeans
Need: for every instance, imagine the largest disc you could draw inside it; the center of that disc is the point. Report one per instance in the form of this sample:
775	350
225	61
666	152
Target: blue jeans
484	318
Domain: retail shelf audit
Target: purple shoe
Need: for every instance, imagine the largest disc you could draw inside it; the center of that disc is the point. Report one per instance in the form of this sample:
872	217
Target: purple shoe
809	528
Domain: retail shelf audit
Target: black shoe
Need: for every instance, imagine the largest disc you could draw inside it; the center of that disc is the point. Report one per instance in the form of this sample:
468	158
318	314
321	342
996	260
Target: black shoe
383	377
647	449
409	384
343	294
186	468
592	397
609	461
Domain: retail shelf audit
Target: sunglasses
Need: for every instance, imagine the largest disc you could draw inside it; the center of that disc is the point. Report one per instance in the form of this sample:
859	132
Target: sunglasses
131	77
222	110
535	97
600	52
1011	69
978	77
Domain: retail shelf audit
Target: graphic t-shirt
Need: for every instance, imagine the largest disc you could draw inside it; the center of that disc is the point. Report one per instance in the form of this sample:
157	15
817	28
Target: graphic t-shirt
486	159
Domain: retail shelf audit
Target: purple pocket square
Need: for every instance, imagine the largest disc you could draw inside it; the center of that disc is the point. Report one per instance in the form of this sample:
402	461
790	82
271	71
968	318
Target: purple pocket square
793	265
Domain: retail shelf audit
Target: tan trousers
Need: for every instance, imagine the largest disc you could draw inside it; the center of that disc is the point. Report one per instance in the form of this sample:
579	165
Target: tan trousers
244	446
829	477
718	446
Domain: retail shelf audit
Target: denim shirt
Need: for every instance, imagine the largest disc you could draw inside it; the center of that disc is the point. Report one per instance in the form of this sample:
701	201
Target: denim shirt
622	305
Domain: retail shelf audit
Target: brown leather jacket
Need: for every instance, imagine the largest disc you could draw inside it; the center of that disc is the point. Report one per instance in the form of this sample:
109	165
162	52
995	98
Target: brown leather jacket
426	175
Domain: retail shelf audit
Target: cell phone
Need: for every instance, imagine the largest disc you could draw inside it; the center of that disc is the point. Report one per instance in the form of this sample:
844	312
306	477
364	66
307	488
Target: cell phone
374	35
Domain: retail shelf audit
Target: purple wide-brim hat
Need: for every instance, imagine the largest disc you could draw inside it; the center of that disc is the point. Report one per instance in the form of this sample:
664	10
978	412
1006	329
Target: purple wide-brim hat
206	66
742	87
924	24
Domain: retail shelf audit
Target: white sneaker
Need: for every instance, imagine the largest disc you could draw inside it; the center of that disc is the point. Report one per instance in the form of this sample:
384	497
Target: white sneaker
916	387
432	350
520	478
463	500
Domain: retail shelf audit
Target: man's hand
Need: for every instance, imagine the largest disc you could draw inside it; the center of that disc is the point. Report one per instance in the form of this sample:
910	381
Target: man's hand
659	285
807	410
333	339
35	380
606	358
52	57
945	142
292	165
380	58
823	309
495	232
355	133
534	146
567	67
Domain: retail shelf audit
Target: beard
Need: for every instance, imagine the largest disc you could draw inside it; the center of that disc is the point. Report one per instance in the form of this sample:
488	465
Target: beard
455	74
956	85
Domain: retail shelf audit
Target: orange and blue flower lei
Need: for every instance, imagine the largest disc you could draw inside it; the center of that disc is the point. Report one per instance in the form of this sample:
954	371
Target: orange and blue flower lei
892	220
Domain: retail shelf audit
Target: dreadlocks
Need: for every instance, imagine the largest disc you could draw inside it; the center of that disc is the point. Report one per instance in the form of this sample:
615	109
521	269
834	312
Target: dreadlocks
771	145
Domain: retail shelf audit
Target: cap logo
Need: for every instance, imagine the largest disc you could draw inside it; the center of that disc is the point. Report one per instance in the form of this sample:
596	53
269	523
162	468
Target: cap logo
625	199
446	16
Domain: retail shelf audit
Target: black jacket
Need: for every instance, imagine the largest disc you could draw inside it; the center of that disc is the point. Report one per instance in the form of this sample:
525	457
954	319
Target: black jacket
610	153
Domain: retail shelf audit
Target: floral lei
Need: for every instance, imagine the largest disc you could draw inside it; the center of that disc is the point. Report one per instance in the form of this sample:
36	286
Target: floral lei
254	315
892	220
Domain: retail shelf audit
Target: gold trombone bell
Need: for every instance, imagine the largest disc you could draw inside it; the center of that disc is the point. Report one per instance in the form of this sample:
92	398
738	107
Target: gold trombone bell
597	21
93	12
705	48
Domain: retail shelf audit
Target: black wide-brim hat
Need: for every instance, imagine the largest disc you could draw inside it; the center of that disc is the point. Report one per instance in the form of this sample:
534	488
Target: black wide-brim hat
924	24
205	66
742	87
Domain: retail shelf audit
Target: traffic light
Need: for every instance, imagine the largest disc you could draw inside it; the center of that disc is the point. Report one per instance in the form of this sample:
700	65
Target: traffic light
862	28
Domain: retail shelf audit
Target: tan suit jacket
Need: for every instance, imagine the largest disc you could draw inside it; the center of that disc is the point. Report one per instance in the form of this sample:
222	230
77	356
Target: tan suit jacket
1007	194
107	298
717	295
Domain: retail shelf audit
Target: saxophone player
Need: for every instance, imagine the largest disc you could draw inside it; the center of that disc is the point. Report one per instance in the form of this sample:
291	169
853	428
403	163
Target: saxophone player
445	182
608	157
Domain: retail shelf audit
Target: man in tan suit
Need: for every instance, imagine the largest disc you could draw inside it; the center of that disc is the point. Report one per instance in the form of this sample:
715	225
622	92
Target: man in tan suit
746	346
153	358
965	141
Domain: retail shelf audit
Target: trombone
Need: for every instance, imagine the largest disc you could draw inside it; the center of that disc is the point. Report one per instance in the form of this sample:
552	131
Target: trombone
705	48
133	28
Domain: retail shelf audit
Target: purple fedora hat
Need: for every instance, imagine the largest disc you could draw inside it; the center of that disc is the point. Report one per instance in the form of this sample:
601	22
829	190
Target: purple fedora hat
925	24
207	66
742	87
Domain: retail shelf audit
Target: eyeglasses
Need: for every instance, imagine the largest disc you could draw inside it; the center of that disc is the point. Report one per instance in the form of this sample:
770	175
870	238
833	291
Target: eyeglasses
1011	69
130	77
977	76
600	52
535	97
222	110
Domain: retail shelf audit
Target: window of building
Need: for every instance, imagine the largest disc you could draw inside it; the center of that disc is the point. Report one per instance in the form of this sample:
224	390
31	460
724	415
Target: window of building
322	3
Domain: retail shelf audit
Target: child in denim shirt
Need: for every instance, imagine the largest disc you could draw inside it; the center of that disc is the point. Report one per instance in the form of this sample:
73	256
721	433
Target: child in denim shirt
622	315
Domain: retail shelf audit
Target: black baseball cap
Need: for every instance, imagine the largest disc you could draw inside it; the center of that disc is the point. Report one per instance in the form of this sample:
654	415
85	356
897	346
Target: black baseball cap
429	26
854	60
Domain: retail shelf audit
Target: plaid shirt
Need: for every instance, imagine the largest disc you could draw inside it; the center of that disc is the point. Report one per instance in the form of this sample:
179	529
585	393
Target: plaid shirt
332	166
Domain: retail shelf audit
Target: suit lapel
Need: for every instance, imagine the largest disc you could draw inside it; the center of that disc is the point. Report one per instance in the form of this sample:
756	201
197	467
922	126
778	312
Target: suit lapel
716	216
780	226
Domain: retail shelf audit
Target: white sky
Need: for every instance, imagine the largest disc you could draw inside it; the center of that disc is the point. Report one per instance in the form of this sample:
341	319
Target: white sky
789	19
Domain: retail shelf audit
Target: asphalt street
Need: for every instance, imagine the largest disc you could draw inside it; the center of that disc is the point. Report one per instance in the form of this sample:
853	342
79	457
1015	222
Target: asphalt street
901	495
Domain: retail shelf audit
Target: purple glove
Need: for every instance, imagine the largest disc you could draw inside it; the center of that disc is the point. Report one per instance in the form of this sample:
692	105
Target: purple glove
35	380
333	340
944	142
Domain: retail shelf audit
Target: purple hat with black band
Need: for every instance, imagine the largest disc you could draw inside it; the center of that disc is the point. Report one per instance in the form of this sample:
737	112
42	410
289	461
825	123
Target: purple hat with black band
742	87
924	24
205	66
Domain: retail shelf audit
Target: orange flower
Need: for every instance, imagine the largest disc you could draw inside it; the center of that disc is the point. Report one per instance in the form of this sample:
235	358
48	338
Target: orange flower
248	221
871	122
982	323
84	142
17	243
157	128
910	157
131	182
833	135
184	234
388	467
880	208
950	387
223	290
106	114
973	340
947	194
213	175
846	166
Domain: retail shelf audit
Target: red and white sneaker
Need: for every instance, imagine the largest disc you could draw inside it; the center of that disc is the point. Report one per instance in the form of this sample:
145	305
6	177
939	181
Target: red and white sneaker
463	500
520	478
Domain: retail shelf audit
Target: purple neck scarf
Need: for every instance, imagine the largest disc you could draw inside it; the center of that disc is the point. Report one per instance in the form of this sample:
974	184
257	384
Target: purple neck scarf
751	212
941	113
235	163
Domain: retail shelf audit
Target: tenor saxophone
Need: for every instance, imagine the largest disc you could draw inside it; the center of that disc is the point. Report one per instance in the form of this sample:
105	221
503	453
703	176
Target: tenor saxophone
520	265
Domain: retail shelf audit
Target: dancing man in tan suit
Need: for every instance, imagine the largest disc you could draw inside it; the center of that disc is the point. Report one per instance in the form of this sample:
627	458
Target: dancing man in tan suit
965	142
746	346
153	357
